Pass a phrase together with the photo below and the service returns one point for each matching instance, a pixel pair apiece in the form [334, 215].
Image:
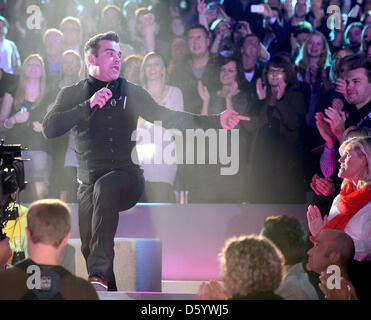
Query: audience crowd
[286, 67]
[302, 75]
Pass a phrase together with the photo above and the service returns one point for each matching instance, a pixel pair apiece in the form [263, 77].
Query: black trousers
[99, 205]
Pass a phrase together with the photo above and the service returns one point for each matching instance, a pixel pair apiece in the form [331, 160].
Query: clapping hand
[325, 130]
[261, 90]
[341, 87]
[279, 90]
[336, 120]
[346, 291]
[322, 186]
[202, 91]
[311, 73]
[211, 291]
[315, 221]
[337, 104]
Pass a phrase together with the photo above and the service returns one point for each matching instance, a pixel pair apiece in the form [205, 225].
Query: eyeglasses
[278, 72]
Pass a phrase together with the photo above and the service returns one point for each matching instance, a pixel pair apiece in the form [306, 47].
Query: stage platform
[192, 235]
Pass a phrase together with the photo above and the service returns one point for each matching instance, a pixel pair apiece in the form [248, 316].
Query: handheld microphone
[112, 86]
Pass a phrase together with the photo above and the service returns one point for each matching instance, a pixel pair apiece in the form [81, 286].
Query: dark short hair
[288, 235]
[357, 61]
[198, 26]
[241, 42]
[302, 27]
[92, 45]
[280, 14]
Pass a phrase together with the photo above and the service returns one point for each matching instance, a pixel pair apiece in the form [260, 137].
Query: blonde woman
[314, 58]
[159, 177]
[25, 126]
[350, 210]
[251, 268]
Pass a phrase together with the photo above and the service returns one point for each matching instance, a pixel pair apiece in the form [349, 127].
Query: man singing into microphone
[102, 112]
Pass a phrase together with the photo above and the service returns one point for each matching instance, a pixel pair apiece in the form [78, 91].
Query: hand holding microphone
[99, 99]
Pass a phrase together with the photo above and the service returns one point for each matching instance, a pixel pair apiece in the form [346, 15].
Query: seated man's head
[48, 222]
[250, 265]
[331, 247]
[103, 56]
[288, 236]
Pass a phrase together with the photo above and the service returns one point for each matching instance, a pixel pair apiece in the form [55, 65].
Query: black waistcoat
[104, 140]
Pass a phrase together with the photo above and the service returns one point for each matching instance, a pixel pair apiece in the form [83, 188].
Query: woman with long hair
[314, 57]
[25, 127]
[313, 64]
[276, 172]
[159, 177]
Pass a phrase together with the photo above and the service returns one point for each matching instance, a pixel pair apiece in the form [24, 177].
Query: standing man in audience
[72, 34]
[250, 52]
[112, 20]
[109, 176]
[200, 66]
[53, 49]
[47, 232]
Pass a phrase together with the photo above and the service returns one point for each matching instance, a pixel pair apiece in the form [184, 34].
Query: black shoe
[112, 286]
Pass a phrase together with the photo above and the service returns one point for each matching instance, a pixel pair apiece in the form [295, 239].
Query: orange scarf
[350, 203]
